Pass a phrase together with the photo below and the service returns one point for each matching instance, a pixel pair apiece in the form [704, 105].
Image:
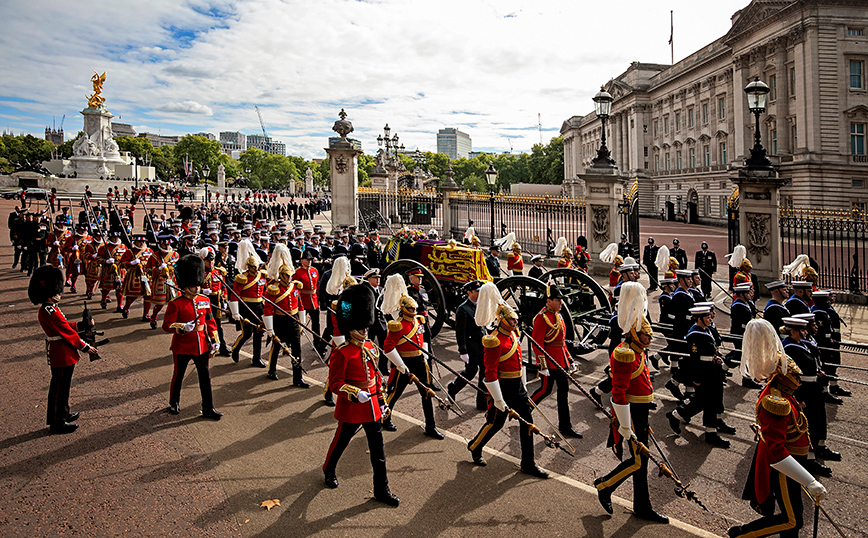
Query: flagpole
[672, 35]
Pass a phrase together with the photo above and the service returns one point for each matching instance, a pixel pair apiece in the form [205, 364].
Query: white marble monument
[95, 153]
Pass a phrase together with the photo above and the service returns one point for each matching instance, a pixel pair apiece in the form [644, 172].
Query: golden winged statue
[95, 100]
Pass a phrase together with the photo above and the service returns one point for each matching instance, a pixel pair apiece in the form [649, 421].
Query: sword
[536, 408]
[819, 508]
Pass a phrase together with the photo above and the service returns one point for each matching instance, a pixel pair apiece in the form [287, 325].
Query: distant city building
[454, 143]
[55, 136]
[355, 143]
[266, 144]
[475, 154]
[123, 129]
[233, 141]
[157, 140]
[209, 136]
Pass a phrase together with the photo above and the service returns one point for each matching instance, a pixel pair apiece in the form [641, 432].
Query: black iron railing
[389, 210]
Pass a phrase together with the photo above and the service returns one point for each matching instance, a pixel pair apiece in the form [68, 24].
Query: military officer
[249, 285]
[280, 320]
[537, 270]
[680, 304]
[309, 278]
[800, 302]
[706, 262]
[492, 261]
[470, 350]
[649, 257]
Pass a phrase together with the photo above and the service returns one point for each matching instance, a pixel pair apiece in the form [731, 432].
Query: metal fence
[537, 221]
[389, 210]
[835, 242]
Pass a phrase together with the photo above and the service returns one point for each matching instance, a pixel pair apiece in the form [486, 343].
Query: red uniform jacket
[783, 432]
[352, 368]
[549, 331]
[741, 278]
[502, 356]
[309, 279]
[61, 338]
[55, 252]
[250, 290]
[403, 333]
[514, 262]
[182, 310]
[614, 277]
[213, 280]
[631, 382]
[286, 297]
[565, 262]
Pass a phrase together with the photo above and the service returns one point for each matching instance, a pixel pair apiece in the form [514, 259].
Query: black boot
[389, 426]
[713, 439]
[297, 380]
[823, 452]
[674, 389]
[386, 496]
[648, 514]
[674, 423]
[604, 497]
[272, 375]
[833, 399]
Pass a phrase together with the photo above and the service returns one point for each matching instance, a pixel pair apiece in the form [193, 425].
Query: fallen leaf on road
[269, 504]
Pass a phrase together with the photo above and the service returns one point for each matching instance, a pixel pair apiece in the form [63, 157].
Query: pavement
[133, 468]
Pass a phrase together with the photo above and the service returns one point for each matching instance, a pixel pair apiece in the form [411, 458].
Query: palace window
[773, 135]
[855, 31]
[677, 121]
[857, 75]
[689, 118]
[706, 159]
[723, 153]
[704, 113]
[678, 159]
[666, 125]
[692, 157]
[857, 139]
[655, 128]
[792, 81]
[721, 107]
[794, 136]
[657, 163]
[667, 162]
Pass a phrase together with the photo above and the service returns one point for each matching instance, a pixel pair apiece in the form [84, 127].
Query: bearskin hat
[186, 213]
[355, 309]
[46, 282]
[190, 271]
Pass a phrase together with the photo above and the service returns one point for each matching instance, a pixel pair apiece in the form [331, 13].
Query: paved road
[133, 468]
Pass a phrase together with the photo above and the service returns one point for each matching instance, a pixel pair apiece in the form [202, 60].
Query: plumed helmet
[355, 309]
[393, 293]
[280, 262]
[190, 271]
[245, 256]
[618, 260]
[609, 253]
[632, 307]
[491, 306]
[506, 242]
[797, 266]
[206, 253]
[340, 271]
[46, 282]
[561, 247]
[662, 260]
[737, 256]
[763, 354]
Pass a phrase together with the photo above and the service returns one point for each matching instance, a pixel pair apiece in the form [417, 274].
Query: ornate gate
[629, 210]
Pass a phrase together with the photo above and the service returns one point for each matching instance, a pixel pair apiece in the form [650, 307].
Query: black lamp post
[757, 94]
[136, 171]
[491, 179]
[205, 171]
[603, 107]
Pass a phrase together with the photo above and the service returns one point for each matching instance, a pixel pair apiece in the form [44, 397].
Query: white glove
[93, 256]
[302, 317]
[189, 326]
[338, 340]
[544, 372]
[233, 308]
[135, 262]
[395, 358]
[793, 469]
[363, 396]
[426, 347]
[56, 243]
[74, 247]
[624, 423]
[215, 346]
[110, 261]
[465, 358]
[496, 394]
[269, 325]
[162, 266]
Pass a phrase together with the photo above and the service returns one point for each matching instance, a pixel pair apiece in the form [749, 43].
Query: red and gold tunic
[61, 339]
[549, 330]
[614, 277]
[783, 432]
[251, 290]
[286, 297]
[162, 270]
[403, 333]
[502, 356]
[741, 277]
[309, 279]
[89, 253]
[514, 262]
[72, 254]
[134, 284]
[112, 273]
[182, 310]
[565, 262]
[353, 367]
[55, 251]
[631, 382]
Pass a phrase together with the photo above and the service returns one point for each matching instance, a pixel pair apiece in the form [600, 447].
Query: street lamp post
[136, 171]
[491, 179]
[205, 171]
[757, 93]
[603, 107]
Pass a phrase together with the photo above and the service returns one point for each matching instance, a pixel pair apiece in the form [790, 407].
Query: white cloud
[486, 67]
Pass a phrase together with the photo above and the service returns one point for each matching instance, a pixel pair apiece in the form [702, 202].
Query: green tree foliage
[325, 173]
[24, 149]
[268, 170]
[200, 151]
[161, 158]
[66, 148]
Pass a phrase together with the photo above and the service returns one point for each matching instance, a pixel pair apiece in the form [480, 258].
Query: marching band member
[136, 261]
[162, 270]
[109, 257]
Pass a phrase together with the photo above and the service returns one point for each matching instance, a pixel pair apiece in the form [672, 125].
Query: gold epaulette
[335, 304]
[297, 284]
[490, 341]
[221, 270]
[623, 353]
[345, 344]
[394, 326]
[776, 405]
[273, 289]
[420, 319]
[241, 278]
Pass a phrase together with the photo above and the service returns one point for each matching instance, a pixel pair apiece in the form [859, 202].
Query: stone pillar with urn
[604, 189]
[344, 169]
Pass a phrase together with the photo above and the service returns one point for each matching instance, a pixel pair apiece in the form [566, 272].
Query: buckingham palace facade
[683, 129]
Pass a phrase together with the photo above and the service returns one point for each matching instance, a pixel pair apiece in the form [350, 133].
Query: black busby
[46, 282]
[308, 254]
[190, 271]
[186, 213]
[355, 309]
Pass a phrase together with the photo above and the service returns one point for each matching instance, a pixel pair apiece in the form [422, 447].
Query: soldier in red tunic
[188, 317]
[72, 251]
[93, 267]
[109, 257]
[62, 345]
[309, 278]
[632, 398]
[162, 275]
[355, 380]
[250, 286]
[55, 242]
[214, 289]
[504, 378]
[137, 263]
[282, 322]
[777, 471]
[549, 331]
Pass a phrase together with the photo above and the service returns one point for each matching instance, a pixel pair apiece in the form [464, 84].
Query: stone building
[683, 129]
[454, 143]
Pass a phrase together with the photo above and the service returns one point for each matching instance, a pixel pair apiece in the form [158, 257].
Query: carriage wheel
[588, 305]
[437, 310]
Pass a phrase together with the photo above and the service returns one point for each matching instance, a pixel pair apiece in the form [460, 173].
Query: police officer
[678, 253]
[470, 350]
[705, 262]
[625, 248]
[649, 257]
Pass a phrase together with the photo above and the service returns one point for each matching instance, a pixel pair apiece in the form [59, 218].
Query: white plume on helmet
[662, 261]
[279, 258]
[560, 246]
[204, 252]
[488, 304]
[632, 306]
[506, 242]
[395, 289]
[798, 264]
[245, 251]
[340, 271]
[468, 235]
[737, 256]
[762, 351]
[609, 253]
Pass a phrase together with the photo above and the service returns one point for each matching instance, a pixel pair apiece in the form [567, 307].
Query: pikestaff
[148, 215]
[112, 208]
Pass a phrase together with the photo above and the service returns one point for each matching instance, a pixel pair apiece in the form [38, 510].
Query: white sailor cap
[808, 317]
[698, 311]
[742, 288]
[795, 323]
[799, 284]
[683, 273]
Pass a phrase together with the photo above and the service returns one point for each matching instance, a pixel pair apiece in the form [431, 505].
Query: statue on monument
[85, 146]
[96, 100]
[109, 144]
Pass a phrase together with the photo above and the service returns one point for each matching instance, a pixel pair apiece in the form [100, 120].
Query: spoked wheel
[527, 296]
[437, 309]
[588, 305]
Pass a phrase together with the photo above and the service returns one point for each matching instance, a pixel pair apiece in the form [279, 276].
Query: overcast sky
[488, 68]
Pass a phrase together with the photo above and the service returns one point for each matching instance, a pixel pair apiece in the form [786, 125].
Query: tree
[268, 170]
[25, 149]
[436, 163]
[198, 150]
[324, 173]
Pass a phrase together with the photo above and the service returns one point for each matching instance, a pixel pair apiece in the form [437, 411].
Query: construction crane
[264, 134]
[61, 121]
[539, 119]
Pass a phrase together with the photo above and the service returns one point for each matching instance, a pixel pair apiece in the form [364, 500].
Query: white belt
[706, 358]
[53, 338]
[809, 379]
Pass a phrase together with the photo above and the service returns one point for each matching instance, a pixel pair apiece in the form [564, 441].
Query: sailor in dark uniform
[775, 311]
[800, 302]
[829, 337]
[536, 271]
[742, 311]
[680, 304]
